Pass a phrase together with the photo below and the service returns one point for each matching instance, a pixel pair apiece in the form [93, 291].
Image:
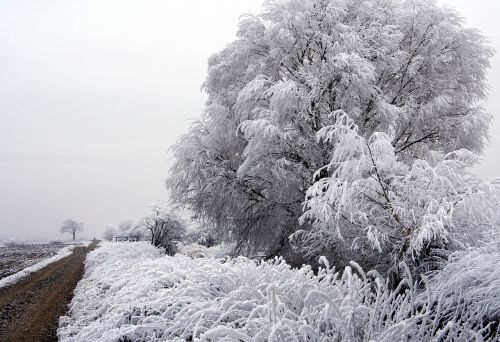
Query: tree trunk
[74, 232]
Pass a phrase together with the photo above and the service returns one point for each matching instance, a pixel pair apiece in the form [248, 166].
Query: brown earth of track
[30, 309]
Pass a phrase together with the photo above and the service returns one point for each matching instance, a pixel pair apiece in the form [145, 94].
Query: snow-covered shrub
[202, 234]
[221, 250]
[130, 292]
[192, 250]
[161, 227]
[195, 250]
[468, 288]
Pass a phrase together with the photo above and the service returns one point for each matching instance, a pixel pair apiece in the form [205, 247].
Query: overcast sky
[93, 92]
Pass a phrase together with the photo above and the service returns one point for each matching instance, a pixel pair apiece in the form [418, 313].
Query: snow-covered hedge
[195, 250]
[133, 292]
[468, 287]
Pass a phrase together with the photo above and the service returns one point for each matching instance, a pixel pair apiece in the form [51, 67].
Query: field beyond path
[30, 309]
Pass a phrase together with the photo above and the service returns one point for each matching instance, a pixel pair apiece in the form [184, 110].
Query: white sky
[93, 92]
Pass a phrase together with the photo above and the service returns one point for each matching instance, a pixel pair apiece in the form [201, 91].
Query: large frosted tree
[402, 77]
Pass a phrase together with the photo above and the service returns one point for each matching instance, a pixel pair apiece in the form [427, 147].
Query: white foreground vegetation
[133, 292]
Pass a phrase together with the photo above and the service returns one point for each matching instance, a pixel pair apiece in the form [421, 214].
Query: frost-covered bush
[192, 250]
[161, 227]
[185, 299]
[202, 234]
[195, 250]
[468, 288]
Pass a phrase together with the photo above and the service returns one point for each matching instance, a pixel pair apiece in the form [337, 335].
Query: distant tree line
[161, 227]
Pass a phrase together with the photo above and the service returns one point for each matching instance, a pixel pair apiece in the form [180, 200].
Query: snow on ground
[61, 253]
[132, 292]
[14, 257]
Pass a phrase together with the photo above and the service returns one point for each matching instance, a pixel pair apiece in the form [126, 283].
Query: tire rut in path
[30, 309]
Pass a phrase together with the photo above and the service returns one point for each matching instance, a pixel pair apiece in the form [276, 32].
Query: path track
[30, 309]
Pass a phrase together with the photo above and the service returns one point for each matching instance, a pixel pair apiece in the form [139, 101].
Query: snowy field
[20, 260]
[15, 257]
[132, 292]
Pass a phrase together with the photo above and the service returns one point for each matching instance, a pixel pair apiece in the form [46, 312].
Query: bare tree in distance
[71, 226]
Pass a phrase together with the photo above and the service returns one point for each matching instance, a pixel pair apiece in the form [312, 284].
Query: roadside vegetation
[337, 146]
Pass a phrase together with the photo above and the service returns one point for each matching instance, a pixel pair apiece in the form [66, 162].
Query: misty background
[92, 94]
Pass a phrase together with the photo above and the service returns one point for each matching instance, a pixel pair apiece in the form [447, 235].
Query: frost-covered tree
[71, 226]
[373, 200]
[407, 74]
[164, 228]
[125, 226]
[137, 230]
[109, 232]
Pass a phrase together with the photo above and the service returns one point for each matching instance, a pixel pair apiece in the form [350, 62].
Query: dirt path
[30, 309]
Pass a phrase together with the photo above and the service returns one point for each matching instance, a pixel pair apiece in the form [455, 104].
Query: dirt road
[30, 309]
